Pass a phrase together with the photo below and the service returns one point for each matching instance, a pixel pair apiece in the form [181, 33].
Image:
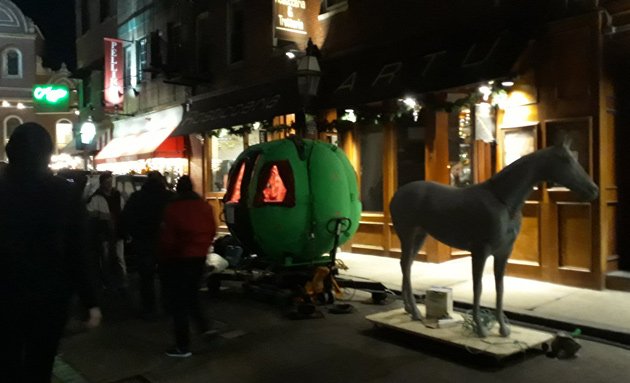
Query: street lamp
[308, 76]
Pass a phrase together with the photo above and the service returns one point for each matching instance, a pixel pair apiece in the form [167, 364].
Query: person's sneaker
[176, 352]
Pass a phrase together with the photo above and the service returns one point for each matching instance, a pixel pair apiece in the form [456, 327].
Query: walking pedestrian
[104, 207]
[141, 218]
[188, 230]
[43, 259]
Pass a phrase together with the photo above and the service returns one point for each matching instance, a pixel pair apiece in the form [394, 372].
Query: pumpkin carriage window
[275, 185]
[235, 188]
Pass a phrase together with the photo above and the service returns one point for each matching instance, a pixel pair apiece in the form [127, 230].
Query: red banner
[113, 92]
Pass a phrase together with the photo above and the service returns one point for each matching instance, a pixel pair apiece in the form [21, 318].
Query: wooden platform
[495, 345]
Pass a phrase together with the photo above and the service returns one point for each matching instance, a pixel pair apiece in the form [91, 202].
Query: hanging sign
[289, 19]
[51, 98]
[113, 92]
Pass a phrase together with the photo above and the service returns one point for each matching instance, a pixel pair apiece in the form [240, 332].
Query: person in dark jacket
[188, 229]
[141, 218]
[43, 258]
[104, 208]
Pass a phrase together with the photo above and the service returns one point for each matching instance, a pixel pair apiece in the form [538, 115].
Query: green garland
[402, 115]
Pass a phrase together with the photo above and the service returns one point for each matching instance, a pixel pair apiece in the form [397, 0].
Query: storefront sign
[371, 76]
[246, 105]
[289, 19]
[51, 98]
[113, 92]
[233, 111]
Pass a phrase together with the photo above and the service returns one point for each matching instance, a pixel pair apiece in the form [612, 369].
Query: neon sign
[51, 98]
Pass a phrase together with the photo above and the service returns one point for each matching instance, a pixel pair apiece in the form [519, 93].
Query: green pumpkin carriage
[287, 200]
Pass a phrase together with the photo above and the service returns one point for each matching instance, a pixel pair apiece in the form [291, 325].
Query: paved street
[258, 343]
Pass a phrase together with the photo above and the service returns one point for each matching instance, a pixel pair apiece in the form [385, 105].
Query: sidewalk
[603, 314]
[257, 342]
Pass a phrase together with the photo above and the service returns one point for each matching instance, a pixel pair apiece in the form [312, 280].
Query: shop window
[225, 149]
[371, 148]
[578, 133]
[10, 123]
[460, 147]
[410, 155]
[63, 133]
[236, 32]
[12, 63]
[275, 185]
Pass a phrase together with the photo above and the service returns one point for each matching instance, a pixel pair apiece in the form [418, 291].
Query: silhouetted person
[43, 259]
[188, 230]
[141, 218]
[104, 207]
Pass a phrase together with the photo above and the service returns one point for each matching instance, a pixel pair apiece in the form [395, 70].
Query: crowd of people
[55, 245]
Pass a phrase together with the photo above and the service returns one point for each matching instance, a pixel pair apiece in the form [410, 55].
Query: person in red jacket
[188, 230]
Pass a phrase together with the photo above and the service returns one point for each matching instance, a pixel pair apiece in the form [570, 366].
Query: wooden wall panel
[611, 237]
[527, 245]
[572, 61]
[609, 171]
[574, 236]
[216, 202]
[369, 235]
[394, 244]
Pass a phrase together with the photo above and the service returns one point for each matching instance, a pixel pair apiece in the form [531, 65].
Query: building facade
[94, 21]
[21, 48]
[449, 92]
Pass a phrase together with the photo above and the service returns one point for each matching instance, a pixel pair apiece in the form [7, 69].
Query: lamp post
[87, 134]
[308, 76]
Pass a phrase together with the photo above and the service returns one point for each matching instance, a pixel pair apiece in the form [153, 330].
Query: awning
[396, 70]
[154, 144]
[145, 136]
[236, 107]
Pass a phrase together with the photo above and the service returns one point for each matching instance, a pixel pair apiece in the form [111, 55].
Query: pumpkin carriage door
[235, 199]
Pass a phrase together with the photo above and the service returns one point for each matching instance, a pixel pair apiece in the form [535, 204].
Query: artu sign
[113, 94]
[51, 98]
[289, 18]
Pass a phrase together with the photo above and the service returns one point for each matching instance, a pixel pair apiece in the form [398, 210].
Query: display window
[460, 148]
[371, 140]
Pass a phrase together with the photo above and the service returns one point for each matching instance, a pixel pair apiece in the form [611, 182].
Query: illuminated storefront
[144, 143]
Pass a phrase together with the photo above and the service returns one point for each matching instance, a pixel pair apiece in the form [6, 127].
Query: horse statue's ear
[563, 139]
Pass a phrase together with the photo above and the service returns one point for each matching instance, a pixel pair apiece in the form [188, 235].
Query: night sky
[55, 19]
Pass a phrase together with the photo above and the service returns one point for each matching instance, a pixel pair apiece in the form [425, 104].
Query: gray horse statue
[484, 219]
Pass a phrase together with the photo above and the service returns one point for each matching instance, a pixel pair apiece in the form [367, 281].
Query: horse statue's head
[565, 170]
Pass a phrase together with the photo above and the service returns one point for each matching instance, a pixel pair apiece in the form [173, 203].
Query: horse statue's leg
[410, 242]
[478, 262]
[500, 261]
